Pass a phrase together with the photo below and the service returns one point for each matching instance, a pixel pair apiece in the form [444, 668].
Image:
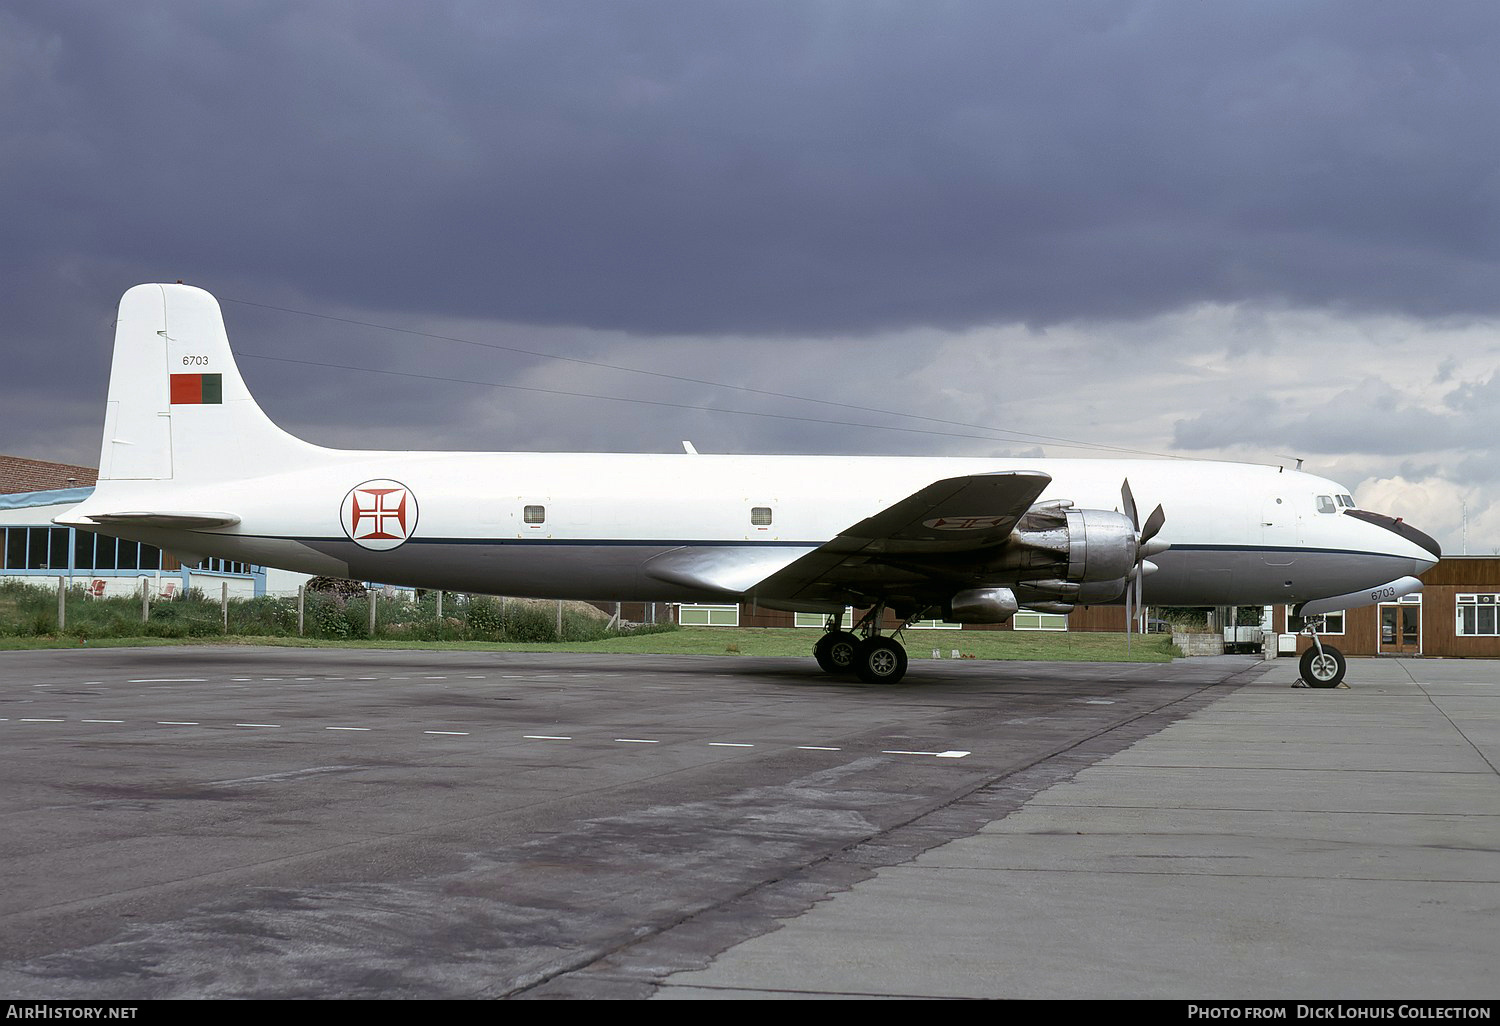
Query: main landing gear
[873, 657]
[1321, 666]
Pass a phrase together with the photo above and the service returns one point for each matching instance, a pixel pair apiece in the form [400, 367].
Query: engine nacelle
[1062, 546]
[1057, 557]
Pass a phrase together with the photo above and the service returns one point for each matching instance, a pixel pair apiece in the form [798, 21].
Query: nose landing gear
[1321, 666]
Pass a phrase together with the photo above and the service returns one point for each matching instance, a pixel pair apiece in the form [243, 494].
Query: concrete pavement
[1278, 843]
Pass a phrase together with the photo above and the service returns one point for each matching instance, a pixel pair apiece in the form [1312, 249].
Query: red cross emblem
[379, 515]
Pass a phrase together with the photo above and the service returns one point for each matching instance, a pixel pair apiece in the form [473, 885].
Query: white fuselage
[1239, 533]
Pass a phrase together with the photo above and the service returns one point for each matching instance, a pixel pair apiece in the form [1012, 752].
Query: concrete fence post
[224, 603]
[301, 608]
[372, 594]
[62, 604]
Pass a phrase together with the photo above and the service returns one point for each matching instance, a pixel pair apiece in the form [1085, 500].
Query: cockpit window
[1326, 504]
[1347, 501]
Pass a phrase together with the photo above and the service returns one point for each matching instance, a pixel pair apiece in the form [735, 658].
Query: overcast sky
[1241, 230]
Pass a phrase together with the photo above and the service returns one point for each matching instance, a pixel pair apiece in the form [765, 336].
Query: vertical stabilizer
[137, 418]
[178, 408]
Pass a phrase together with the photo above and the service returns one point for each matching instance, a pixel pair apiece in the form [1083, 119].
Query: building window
[1477, 616]
[214, 565]
[933, 625]
[534, 515]
[15, 548]
[1333, 623]
[821, 619]
[691, 614]
[62, 548]
[1026, 620]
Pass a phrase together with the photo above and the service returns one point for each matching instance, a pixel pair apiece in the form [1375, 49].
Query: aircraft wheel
[880, 661]
[835, 650]
[1322, 670]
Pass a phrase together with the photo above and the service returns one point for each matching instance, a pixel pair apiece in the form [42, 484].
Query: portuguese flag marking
[197, 389]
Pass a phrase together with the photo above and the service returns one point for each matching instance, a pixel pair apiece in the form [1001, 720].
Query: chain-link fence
[30, 610]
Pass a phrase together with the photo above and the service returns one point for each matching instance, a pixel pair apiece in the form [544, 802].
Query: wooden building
[1453, 616]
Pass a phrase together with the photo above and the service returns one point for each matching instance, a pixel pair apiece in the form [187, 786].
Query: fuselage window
[1326, 504]
[534, 515]
[760, 516]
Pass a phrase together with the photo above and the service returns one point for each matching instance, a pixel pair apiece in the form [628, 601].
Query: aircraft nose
[1401, 528]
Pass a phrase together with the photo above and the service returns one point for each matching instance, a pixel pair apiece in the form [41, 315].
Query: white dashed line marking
[448, 733]
[636, 741]
[103, 721]
[168, 680]
[257, 724]
[347, 728]
[729, 744]
[40, 719]
[546, 737]
[817, 748]
[935, 755]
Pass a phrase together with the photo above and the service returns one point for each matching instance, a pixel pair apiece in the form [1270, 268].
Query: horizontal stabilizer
[173, 519]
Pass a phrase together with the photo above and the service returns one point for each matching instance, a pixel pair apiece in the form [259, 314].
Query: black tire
[880, 661]
[835, 652]
[1322, 671]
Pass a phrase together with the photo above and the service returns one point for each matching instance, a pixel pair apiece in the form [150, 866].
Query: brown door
[1400, 629]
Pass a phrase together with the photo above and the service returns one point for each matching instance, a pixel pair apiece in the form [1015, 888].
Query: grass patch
[725, 642]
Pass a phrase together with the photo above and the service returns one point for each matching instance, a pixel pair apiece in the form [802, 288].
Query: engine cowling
[1077, 545]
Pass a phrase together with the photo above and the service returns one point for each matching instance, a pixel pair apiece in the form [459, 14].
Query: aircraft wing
[947, 518]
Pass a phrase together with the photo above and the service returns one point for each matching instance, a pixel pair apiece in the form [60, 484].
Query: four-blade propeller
[1145, 545]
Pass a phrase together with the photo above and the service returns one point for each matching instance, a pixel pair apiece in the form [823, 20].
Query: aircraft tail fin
[178, 408]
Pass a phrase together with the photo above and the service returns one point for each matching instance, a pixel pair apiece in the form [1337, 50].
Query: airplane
[190, 464]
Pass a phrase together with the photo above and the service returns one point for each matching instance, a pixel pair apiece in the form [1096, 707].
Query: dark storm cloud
[760, 167]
